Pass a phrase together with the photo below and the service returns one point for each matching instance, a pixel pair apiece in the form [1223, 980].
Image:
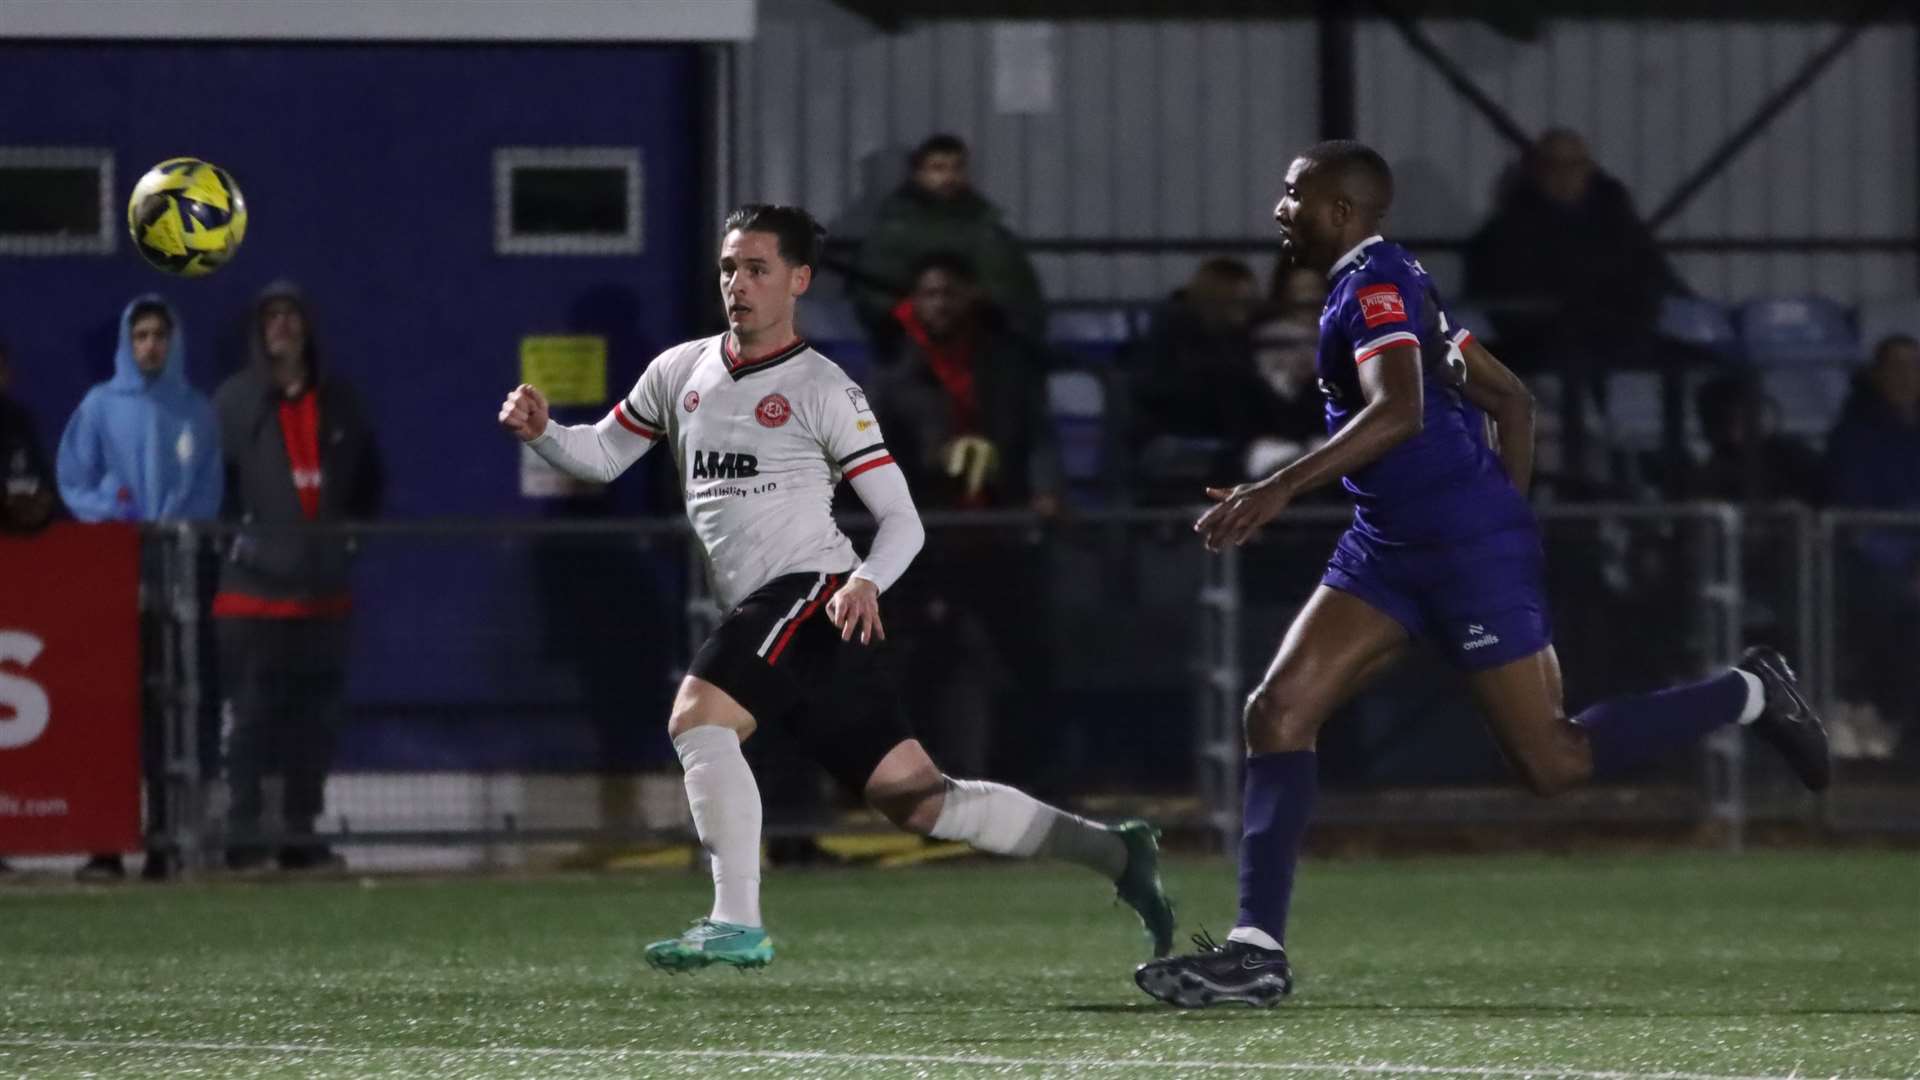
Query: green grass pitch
[1622, 967]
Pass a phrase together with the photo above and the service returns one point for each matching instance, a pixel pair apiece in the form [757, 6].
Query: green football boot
[1139, 883]
[707, 942]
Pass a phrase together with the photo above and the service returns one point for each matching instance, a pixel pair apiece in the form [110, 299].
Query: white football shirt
[759, 447]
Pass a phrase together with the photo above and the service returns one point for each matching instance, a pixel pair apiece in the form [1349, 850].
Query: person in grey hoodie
[299, 449]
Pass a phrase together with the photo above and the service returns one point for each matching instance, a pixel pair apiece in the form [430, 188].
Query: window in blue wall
[56, 200]
[582, 200]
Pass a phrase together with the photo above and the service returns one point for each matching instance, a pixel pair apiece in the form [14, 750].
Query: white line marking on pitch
[1328, 1067]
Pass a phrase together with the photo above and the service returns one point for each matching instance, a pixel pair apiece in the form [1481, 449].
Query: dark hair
[1359, 167]
[951, 262]
[1225, 267]
[150, 307]
[1891, 342]
[942, 143]
[800, 237]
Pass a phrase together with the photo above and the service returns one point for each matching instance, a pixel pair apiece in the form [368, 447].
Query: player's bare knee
[699, 703]
[1278, 720]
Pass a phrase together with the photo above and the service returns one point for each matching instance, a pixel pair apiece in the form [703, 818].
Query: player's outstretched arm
[595, 452]
[1394, 413]
[855, 609]
[1500, 394]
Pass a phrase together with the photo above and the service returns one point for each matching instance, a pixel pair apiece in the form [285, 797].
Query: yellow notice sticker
[570, 369]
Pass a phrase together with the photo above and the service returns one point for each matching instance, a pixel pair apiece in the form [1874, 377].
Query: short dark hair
[951, 262]
[150, 307]
[942, 143]
[1225, 267]
[1891, 342]
[1358, 167]
[799, 236]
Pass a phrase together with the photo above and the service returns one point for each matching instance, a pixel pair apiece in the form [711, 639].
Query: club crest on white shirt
[773, 411]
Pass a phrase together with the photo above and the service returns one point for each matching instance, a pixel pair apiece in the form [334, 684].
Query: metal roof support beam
[1333, 22]
[1456, 77]
[1773, 106]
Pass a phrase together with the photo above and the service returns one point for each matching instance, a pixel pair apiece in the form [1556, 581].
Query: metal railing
[509, 680]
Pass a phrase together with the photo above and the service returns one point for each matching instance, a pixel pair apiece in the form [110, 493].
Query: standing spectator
[966, 401]
[1873, 462]
[299, 450]
[937, 210]
[1573, 278]
[143, 446]
[28, 500]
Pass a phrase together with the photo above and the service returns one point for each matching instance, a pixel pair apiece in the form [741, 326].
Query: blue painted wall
[368, 174]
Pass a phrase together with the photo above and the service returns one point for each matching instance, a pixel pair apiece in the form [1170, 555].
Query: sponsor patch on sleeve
[859, 399]
[1381, 304]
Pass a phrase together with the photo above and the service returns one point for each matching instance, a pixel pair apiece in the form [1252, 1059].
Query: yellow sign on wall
[570, 369]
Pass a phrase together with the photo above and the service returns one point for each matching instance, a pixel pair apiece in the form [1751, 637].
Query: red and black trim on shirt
[869, 457]
[631, 419]
[740, 368]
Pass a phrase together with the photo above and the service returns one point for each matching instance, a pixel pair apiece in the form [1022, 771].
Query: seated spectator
[28, 500]
[143, 446]
[1196, 384]
[937, 210]
[1749, 461]
[1873, 462]
[1571, 276]
[1284, 346]
[965, 399]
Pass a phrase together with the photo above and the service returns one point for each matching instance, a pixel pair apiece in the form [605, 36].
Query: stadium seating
[1077, 404]
[1797, 330]
[1095, 334]
[1806, 349]
[1702, 323]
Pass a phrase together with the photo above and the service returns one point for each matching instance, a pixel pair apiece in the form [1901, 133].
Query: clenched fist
[524, 413]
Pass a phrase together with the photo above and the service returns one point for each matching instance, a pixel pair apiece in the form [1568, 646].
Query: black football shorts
[778, 656]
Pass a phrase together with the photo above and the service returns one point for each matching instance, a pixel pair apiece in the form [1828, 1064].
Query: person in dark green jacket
[937, 210]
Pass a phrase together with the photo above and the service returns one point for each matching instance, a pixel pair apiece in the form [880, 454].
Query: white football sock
[1005, 821]
[1756, 696]
[726, 813]
[1253, 935]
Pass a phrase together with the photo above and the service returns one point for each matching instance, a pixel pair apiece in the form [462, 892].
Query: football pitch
[1617, 966]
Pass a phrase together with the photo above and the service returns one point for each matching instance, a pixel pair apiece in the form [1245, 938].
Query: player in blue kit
[1444, 548]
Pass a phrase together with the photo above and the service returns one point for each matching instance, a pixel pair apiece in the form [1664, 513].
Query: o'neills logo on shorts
[1480, 638]
[772, 411]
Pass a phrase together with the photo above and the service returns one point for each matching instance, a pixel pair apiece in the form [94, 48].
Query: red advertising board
[70, 690]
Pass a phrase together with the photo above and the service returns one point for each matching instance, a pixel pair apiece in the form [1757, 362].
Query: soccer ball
[187, 217]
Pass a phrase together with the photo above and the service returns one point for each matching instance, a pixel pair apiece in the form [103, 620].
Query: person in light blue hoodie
[143, 446]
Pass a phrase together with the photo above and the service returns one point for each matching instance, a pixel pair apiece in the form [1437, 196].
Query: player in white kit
[763, 429]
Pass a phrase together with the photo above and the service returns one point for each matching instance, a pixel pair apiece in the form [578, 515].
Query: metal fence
[507, 683]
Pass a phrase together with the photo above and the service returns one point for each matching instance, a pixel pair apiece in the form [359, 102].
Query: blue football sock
[1629, 731]
[1280, 790]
